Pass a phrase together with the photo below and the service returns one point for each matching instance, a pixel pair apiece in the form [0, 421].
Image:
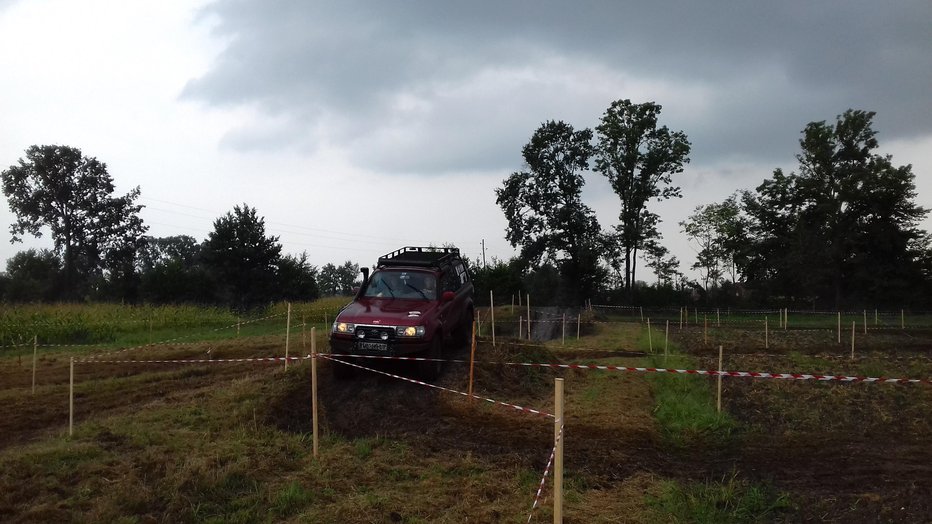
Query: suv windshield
[402, 284]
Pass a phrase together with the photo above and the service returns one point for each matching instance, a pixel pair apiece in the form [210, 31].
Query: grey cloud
[345, 66]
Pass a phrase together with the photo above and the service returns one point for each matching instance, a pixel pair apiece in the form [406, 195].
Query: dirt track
[858, 469]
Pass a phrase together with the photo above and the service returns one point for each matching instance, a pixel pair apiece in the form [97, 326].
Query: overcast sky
[356, 128]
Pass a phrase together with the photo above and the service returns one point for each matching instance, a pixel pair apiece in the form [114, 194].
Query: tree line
[840, 231]
[102, 253]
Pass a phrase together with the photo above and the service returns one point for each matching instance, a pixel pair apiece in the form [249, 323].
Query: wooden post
[876, 318]
[697, 315]
[681, 319]
[314, 388]
[563, 342]
[71, 400]
[287, 334]
[666, 340]
[719, 402]
[492, 314]
[705, 329]
[650, 339]
[472, 361]
[479, 323]
[520, 328]
[718, 318]
[529, 316]
[641, 308]
[578, 323]
[238, 322]
[839, 327]
[150, 330]
[304, 333]
[766, 335]
[902, 319]
[865, 321]
[35, 349]
[558, 438]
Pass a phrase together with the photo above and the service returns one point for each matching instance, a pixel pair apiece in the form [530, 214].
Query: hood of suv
[387, 311]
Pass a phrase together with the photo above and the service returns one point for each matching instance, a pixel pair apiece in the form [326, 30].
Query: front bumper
[392, 348]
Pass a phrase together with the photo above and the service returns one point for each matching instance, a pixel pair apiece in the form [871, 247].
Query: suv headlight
[410, 331]
[346, 328]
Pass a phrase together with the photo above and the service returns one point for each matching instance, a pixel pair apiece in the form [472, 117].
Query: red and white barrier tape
[406, 379]
[601, 367]
[543, 479]
[193, 361]
[714, 373]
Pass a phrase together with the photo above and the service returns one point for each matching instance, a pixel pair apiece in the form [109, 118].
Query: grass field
[230, 441]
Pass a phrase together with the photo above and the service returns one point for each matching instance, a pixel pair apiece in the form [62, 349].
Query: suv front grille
[374, 334]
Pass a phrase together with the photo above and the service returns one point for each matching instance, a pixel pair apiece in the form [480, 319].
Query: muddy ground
[843, 452]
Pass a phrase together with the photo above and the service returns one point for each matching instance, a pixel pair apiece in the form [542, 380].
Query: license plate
[372, 346]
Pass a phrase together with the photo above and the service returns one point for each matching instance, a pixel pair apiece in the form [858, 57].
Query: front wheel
[430, 369]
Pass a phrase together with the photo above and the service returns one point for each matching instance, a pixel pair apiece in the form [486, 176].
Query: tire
[463, 337]
[342, 371]
[430, 370]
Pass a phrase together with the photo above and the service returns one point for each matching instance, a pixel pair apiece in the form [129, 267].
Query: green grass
[729, 501]
[685, 405]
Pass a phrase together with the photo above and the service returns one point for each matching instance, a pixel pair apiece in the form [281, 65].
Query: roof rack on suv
[419, 256]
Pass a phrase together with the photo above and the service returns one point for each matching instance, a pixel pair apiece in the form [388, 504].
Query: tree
[31, 276]
[59, 188]
[338, 280]
[297, 279]
[544, 209]
[720, 230]
[241, 259]
[664, 265]
[844, 228]
[639, 160]
[171, 271]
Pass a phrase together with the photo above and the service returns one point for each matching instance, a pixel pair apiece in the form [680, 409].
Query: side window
[461, 273]
[451, 281]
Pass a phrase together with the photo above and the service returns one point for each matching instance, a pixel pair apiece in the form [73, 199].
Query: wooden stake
[666, 341]
[314, 419]
[766, 335]
[876, 317]
[839, 327]
[718, 318]
[287, 334]
[563, 342]
[681, 319]
[492, 315]
[650, 340]
[520, 328]
[35, 349]
[472, 361]
[902, 319]
[529, 316]
[719, 402]
[578, 323]
[865, 321]
[238, 322]
[71, 400]
[558, 438]
[641, 308]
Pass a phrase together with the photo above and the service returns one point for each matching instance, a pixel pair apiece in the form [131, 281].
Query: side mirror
[447, 296]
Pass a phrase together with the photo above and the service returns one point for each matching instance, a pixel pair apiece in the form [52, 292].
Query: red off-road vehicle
[418, 302]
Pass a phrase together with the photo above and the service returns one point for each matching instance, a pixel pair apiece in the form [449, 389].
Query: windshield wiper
[418, 290]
